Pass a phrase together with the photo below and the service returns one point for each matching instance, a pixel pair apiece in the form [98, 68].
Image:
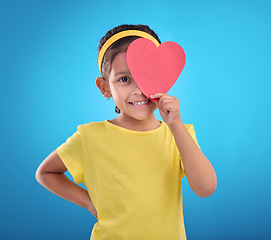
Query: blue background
[48, 63]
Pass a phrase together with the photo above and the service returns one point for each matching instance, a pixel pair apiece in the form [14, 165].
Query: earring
[108, 98]
[117, 110]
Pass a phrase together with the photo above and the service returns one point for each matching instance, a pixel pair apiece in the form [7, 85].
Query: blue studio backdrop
[48, 67]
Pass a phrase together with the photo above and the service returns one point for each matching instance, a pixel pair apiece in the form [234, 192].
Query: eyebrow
[121, 73]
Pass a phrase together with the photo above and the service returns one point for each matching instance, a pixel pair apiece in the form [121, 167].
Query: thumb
[155, 98]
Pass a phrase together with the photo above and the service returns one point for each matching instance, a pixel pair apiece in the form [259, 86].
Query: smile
[139, 103]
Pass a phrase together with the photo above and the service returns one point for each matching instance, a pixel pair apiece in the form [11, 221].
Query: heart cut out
[155, 69]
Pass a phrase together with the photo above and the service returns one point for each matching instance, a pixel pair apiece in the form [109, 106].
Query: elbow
[207, 192]
[39, 175]
[207, 189]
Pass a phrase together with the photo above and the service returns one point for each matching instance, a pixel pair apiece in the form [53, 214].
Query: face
[126, 94]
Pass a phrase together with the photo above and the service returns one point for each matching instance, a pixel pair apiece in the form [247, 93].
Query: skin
[122, 88]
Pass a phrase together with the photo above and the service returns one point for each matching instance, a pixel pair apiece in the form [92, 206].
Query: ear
[104, 87]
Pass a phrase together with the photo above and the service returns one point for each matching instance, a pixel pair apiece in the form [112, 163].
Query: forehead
[119, 64]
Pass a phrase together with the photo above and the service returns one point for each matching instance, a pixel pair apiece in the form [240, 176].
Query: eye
[124, 79]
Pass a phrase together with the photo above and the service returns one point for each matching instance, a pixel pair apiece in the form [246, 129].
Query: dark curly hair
[121, 45]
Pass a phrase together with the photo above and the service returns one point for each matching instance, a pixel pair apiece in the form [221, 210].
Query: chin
[140, 114]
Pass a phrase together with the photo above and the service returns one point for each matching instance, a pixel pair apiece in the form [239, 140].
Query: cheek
[120, 91]
[117, 94]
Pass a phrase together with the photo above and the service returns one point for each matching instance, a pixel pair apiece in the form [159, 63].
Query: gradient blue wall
[48, 63]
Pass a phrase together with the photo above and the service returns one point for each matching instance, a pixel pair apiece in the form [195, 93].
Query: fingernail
[151, 96]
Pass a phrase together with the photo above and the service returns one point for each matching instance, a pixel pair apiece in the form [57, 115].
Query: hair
[121, 45]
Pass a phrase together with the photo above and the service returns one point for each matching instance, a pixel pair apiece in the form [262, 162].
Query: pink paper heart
[155, 69]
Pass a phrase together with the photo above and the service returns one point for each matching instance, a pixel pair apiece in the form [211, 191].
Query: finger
[157, 95]
[163, 109]
[165, 99]
[167, 107]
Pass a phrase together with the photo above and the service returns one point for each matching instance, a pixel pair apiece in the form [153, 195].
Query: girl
[132, 166]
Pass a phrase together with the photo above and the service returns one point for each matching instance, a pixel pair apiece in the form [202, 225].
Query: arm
[199, 171]
[50, 175]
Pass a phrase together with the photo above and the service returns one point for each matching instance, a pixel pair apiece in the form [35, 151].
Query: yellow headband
[120, 35]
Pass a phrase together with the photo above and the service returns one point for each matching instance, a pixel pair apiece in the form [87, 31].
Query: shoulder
[189, 127]
[91, 125]
[91, 128]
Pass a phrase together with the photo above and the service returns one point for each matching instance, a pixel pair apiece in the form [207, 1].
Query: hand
[168, 107]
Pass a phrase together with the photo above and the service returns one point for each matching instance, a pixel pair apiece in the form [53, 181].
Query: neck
[130, 123]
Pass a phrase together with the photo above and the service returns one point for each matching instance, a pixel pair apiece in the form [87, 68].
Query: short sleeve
[71, 154]
[190, 129]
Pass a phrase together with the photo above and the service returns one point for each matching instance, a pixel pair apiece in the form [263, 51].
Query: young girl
[132, 166]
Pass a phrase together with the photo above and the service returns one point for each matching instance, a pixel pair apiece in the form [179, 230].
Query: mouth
[139, 103]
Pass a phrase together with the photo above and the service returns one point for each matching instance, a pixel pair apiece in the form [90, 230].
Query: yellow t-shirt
[133, 179]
